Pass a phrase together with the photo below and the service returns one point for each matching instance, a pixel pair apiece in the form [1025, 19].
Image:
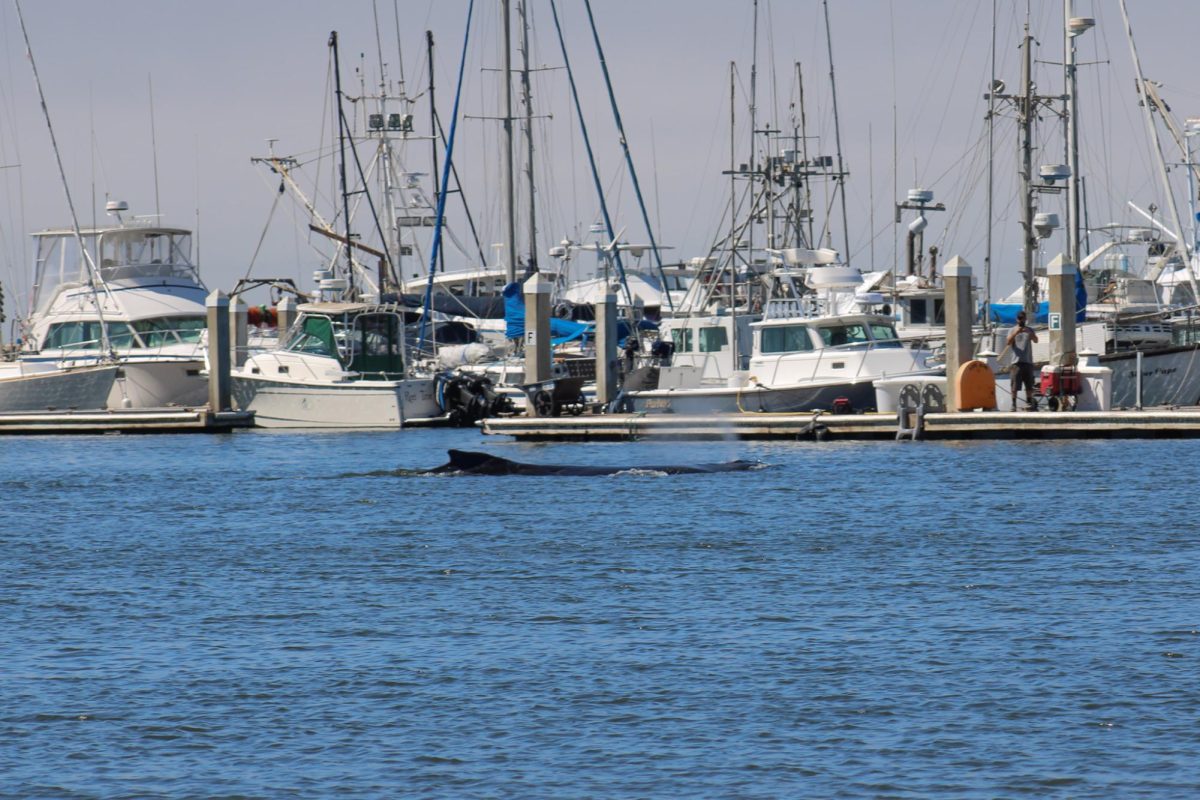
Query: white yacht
[143, 307]
[341, 365]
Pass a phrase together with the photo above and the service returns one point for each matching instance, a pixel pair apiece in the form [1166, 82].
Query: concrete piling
[217, 305]
[239, 335]
[285, 315]
[608, 364]
[960, 316]
[1060, 275]
[537, 328]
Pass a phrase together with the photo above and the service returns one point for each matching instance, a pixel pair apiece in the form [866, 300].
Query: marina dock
[140, 420]
[1148, 424]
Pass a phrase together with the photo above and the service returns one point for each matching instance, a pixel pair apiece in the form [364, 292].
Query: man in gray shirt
[1021, 339]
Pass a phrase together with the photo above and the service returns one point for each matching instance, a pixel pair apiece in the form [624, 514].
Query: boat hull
[753, 399]
[350, 404]
[1170, 376]
[83, 388]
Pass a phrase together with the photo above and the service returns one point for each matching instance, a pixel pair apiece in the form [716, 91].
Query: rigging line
[616, 251]
[462, 195]
[93, 273]
[263, 237]
[637, 189]
[446, 166]
[153, 147]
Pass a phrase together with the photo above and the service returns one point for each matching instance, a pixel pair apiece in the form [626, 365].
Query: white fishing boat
[342, 365]
[798, 363]
[144, 308]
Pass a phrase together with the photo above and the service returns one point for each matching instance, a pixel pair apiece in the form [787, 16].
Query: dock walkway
[133, 420]
[1147, 424]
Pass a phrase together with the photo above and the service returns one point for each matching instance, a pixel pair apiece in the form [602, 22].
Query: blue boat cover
[1006, 313]
[561, 330]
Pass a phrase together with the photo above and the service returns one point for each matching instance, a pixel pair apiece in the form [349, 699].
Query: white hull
[157, 384]
[349, 404]
[84, 388]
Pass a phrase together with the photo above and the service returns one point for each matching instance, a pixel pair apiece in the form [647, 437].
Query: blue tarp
[1006, 313]
[561, 330]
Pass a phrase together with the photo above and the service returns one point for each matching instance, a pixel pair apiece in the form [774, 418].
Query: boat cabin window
[713, 340]
[919, 311]
[884, 335]
[315, 336]
[843, 335]
[682, 337]
[170, 330]
[376, 346]
[85, 335]
[785, 339]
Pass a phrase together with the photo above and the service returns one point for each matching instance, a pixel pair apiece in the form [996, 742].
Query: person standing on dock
[1021, 339]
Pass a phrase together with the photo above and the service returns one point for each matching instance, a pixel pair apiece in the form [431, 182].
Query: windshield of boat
[151, 253]
[847, 335]
[368, 343]
[785, 339]
[140, 334]
[884, 335]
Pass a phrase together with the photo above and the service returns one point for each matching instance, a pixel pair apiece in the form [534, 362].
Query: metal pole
[837, 136]
[337, 81]
[527, 93]
[1025, 114]
[510, 243]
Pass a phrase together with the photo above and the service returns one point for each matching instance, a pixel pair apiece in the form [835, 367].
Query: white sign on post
[531, 338]
[1056, 322]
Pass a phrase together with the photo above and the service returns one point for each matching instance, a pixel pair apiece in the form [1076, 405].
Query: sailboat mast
[737, 361]
[753, 163]
[1072, 136]
[527, 99]
[1025, 113]
[337, 82]
[433, 136]
[510, 229]
[837, 135]
[991, 178]
[804, 158]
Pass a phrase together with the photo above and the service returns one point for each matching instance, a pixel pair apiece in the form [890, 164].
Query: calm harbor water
[236, 616]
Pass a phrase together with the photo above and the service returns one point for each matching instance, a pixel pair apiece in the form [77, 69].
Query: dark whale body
[463, 462]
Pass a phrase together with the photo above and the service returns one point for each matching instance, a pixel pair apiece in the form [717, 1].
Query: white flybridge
[144, 309]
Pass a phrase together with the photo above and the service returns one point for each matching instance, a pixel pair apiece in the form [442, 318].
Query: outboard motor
[467, 399]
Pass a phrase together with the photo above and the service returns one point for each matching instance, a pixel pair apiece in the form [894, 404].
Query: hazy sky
[229, 75]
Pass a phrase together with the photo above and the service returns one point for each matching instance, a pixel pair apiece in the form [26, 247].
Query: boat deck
[139, 420]
[1147, 424]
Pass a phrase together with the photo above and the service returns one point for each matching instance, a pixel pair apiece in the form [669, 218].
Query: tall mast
[837, 135]
[527, 98]
[1025, 112]
[752, 164]
[804, 159]
[433, 134]
[510, 229]
[737, 361]
[337, 82]
[991, 178]
[1070, 31]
